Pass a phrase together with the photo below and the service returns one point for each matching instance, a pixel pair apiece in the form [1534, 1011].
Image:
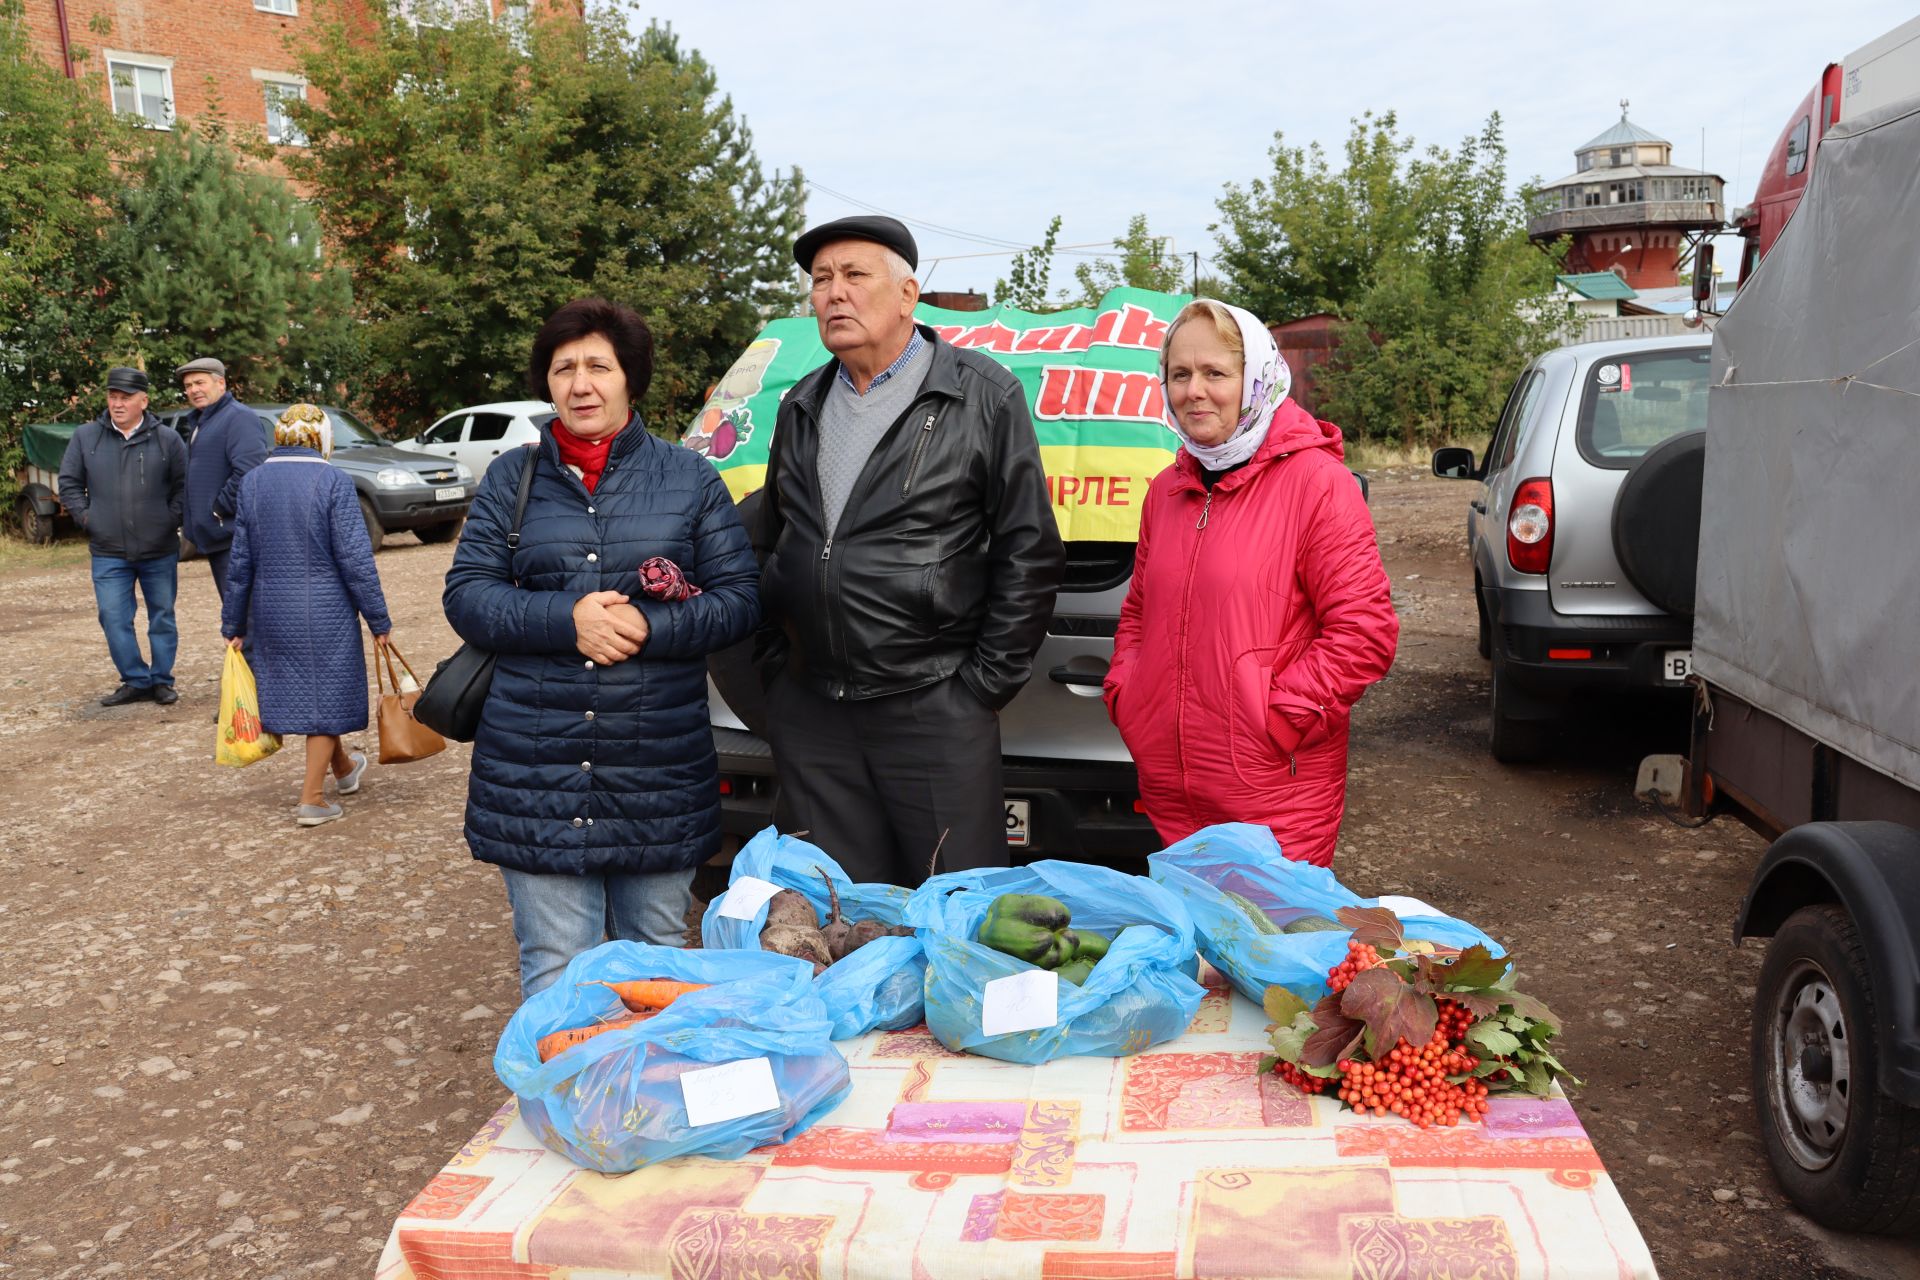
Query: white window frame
[279, 8]
[117, 61]
[276, 83]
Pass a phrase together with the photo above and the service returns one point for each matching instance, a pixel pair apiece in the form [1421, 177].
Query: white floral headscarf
[1265, 381]
[304, 425]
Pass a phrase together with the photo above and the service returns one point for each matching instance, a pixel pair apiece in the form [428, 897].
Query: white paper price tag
[1404, 907]
[746, 897]
[1022, 1002]
[729, 1091]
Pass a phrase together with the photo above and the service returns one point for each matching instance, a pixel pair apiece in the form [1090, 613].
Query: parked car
[476, 436]
[399, 489]
[1584, 533]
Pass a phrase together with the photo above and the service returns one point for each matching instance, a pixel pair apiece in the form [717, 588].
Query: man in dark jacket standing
[122, 480]
[225, 441]
[911, 559]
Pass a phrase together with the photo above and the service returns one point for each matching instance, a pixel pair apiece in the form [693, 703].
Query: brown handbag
[402, 738]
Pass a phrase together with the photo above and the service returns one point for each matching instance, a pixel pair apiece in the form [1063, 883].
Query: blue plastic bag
[614, 1103]
[1246, 859]
[878, 987]
[1141, 993]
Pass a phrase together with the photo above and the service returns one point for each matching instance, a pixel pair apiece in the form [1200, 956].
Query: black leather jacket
[945, 560]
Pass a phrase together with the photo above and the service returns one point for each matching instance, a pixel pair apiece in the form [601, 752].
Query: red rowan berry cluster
[1359, 959]
[1299, 1079]
[1413, 1083]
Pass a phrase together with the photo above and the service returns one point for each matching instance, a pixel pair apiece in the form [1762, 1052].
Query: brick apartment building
[171, 61]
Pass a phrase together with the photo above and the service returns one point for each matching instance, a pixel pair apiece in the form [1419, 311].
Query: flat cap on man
[205, 364]
[122, 378]
[886, 231]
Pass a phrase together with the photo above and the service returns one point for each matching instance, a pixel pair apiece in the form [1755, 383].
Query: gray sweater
[852, 424]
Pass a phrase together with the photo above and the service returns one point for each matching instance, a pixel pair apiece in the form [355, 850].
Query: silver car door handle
[1086, 684]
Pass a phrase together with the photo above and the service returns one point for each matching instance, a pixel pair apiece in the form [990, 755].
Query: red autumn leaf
[1372, 926]
[1391, 1009]
[1334, 1037]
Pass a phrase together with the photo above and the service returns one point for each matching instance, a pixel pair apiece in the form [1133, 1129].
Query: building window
[441, 13]
[285, 8]
[280, 126]
[144, 91]
[1593, 196]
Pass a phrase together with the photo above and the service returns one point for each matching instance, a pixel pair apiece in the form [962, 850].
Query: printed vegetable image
[1424, 1031]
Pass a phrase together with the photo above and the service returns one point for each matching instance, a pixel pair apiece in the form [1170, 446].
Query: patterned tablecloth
[1178, 1162]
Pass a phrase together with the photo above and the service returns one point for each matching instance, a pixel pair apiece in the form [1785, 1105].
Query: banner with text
[1091, 376]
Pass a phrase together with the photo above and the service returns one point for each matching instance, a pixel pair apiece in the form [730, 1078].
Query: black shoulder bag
[457, 690]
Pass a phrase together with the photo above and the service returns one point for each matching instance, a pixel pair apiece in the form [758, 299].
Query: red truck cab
[1785, 175]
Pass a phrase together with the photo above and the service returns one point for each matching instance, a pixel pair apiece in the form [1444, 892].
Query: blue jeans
[557, 917]
[113, 580]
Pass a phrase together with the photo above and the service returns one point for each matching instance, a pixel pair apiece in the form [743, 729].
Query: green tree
[1025, 286]
[58, 142]
[207, 258]
[1144, 264]
[476, 177]
[1423, 256]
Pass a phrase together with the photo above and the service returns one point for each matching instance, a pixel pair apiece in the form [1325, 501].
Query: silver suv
[1585, 531]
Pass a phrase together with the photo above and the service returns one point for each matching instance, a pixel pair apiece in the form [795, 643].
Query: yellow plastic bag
[238, 739]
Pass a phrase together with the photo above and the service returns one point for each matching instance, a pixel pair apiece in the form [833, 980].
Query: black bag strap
[520, 502]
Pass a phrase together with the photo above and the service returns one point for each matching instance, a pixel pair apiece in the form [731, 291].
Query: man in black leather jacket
[911, 558]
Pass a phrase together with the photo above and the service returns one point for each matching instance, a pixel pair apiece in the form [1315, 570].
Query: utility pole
[1196, 273]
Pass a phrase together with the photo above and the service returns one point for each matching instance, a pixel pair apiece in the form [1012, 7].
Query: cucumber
[1261, 921]
[1314, 924]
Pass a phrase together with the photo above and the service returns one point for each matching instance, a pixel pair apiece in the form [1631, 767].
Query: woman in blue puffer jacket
[594, 787]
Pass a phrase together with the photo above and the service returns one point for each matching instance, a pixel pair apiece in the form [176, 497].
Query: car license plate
[1019, 813]
[1677, 665]
[450, 495]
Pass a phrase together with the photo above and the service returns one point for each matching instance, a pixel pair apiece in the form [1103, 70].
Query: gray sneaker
[313, 815]
[351, 783]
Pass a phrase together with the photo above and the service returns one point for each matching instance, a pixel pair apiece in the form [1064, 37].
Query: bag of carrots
[597, 1059]
[876, 968]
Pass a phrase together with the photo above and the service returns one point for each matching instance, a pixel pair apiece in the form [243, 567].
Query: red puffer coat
[1258, 615]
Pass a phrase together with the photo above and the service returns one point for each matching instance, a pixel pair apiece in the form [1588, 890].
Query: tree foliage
[1423, 255]
[478, 176]
[1025, 285]
[1144, 264]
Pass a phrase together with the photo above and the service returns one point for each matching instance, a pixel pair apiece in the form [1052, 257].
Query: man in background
[225, 441]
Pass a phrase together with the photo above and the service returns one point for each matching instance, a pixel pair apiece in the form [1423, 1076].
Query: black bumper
[1080, 811]
[399, 509]
[1626, 652]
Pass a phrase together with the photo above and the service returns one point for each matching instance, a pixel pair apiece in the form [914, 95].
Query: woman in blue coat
[594, 787]
[299, 580]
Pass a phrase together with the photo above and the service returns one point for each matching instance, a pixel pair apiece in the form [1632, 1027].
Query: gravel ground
[229, 1047]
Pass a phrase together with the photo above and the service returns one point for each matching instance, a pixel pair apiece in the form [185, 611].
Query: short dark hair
[619, 324]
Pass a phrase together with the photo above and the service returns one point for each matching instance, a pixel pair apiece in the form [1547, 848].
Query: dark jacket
[227, 440]
[300, 580]
[946, 558]
[579, 768]
[125, 491]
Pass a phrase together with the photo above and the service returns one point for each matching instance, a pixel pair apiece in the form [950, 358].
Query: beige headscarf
[305, 426]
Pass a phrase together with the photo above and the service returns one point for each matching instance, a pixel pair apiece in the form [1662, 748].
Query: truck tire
[444, 532]
[1844, 1152]
[375, 530]
[1514, 741]
[1656, 521]
[34, 527]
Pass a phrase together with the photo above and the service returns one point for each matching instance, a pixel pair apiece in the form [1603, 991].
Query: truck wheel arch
[1872, 870]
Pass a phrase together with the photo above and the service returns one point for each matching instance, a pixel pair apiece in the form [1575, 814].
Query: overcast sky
[987, 118]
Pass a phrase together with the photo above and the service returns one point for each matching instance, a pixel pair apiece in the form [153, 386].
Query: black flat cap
[121, 378]
[887, 231]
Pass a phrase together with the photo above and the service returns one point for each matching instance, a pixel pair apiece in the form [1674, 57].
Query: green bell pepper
[1030, 927]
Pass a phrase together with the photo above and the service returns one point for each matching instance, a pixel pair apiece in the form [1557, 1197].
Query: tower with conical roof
[1628, 208]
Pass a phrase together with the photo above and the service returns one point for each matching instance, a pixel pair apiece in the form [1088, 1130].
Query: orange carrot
[552, 1046]
[649, 993]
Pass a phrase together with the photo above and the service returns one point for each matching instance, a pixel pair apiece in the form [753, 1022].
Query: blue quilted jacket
[578, 768]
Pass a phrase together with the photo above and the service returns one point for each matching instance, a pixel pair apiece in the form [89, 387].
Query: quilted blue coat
[300, 579]
[579, 768]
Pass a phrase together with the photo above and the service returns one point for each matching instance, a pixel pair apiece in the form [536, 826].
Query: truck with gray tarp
[1806, 661]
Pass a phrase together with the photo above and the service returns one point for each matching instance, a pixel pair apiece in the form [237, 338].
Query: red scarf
[589, 456]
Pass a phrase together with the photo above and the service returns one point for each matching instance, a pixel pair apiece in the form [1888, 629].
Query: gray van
[1585, 529]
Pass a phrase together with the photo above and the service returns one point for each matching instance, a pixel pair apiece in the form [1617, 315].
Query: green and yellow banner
[1091, 376]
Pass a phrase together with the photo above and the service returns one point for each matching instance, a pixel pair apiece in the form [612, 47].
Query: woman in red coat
[1259, 610]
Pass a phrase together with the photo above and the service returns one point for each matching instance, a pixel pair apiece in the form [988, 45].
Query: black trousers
[875, 783]
[217, 562]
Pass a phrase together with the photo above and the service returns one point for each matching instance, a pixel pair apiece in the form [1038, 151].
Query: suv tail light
[1530, 526]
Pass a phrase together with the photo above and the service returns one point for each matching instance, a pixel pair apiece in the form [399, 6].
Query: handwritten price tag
[1022, 1002]
[746, 897]
[729, 1091]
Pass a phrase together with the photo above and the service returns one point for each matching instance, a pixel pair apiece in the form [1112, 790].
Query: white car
[480, 433]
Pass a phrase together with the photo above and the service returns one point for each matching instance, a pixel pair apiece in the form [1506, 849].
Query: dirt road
[229, 1047]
